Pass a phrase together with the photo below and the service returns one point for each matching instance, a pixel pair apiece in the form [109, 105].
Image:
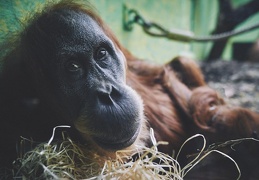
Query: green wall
[198, 16]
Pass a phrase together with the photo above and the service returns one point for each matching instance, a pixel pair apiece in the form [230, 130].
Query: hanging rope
[131, 16]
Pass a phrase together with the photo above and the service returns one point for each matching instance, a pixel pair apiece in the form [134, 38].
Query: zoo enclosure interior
[198, 16]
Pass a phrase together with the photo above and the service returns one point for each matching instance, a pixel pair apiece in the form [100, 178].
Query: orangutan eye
[73, 66]
[101, 54]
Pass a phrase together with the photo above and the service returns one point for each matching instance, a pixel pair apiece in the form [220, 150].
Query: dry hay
[70, 160]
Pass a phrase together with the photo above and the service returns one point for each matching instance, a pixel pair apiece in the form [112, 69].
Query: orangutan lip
[113, 145]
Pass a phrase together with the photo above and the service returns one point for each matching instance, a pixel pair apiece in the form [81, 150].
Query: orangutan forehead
[72, 23]
[67, 28]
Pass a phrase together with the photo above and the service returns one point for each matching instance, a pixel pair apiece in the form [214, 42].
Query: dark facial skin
[86, 74]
